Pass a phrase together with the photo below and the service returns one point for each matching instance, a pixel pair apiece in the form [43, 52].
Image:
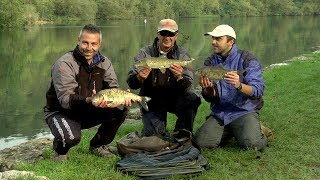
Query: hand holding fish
[111, 98]
[144, 73]
[102, 103]
[177, 70]
[207, 85]
[128, 101]
[233, 78]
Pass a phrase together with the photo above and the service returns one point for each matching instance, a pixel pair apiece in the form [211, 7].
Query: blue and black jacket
[230, 104]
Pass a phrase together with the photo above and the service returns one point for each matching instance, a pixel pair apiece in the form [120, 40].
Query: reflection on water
[28, 55]
[20, 138]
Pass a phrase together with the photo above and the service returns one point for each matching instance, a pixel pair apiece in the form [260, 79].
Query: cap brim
[215, 34]
[210, 34]
[166, 29]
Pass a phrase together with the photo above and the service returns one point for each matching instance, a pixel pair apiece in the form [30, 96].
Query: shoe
[103, 151]
[267, 132]
[58, 157]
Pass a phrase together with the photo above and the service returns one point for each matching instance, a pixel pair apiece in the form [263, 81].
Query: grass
[291, 110]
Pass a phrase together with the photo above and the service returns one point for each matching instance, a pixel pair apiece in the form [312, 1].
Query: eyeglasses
[167, 33]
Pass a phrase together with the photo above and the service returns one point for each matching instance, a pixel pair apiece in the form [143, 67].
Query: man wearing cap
[169, 91]
[235, 100]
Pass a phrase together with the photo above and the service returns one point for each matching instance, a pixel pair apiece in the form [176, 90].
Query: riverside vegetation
[20, 13]
[291, 111]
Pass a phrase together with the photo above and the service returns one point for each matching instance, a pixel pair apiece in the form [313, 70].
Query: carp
[161, 63]
[215, 73]
[116, 97]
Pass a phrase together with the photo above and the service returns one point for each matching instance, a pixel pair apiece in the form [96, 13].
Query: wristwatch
[240, 87]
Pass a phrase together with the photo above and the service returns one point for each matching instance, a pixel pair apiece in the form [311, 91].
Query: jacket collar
[172, 54]
[232, 54]
[82, 60]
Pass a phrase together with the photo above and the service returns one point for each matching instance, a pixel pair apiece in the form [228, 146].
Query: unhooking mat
[166, 159]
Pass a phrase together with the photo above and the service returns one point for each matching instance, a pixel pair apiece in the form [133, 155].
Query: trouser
[66, 129]
[245, 129]
[184, 106]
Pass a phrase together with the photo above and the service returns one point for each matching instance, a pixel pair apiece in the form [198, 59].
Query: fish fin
[121, 107]
[197, 72]
[144, 101]
[241, 72]
[219, 66]
[89, 99]
[215, 80]
[188, 66]
[163, 70]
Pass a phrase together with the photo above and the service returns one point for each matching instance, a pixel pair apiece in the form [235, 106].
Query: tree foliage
[15, 13]
[11, 13]
[76, 9]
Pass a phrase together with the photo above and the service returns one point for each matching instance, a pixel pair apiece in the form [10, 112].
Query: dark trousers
[184, 106]
[245, 129]
[66, 128]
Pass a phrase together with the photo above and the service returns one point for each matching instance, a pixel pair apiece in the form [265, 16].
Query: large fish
[215, 73]
[160, 63]
[116, 97]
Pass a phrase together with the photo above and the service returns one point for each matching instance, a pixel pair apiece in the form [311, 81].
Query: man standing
[76, 76]
[235, 100]
[170, 91]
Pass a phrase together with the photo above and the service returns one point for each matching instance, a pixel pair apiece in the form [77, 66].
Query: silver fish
[215, 73]
[116, 97]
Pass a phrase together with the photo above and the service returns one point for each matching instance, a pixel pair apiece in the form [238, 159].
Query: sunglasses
[167, 33]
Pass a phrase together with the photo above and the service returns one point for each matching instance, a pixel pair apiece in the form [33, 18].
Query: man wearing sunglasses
[169, 91]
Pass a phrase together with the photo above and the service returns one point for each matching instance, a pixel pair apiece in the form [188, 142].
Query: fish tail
[189, 67]
[144, 101]
[189, 64]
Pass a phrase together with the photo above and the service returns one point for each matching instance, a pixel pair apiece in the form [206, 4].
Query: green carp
[161, 63]
[116, 97]
[215, 73]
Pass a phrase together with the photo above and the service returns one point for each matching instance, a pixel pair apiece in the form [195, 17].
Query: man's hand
[128, 101]
[177, 71]
[143, 74]
[233, 78]
[207, 86]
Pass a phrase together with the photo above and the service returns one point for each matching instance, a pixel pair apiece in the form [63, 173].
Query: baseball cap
[168, 25]
[222, 30]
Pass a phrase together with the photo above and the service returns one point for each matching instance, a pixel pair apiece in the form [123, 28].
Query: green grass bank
[291, 110]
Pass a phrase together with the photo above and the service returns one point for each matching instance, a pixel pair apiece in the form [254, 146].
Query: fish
[215, 73]
[161, 63]
[116, 97]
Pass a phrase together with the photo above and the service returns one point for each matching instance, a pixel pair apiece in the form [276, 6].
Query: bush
[114, 9]
[11, 13]
[45, 9]
[30, 15]
[75, 9]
